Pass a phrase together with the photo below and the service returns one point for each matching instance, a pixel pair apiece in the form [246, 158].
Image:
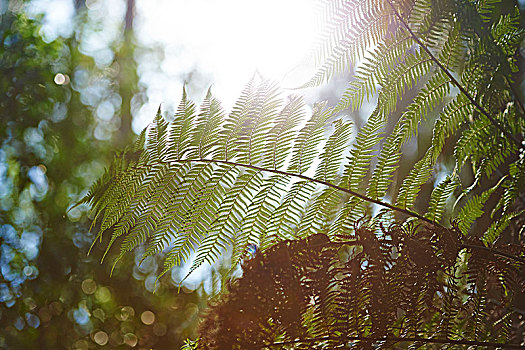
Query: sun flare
[227, 41]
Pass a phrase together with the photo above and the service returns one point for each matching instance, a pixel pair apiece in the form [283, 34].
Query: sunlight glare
[226, 42]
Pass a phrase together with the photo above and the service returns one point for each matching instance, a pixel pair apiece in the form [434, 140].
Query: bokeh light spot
[160, 329]
[147, 317]
[32, 320]
[131, 339]
[125, 313]
[61, 79]
[93, 4]
[89, 286]
[81, 316]
[101, 338]
[103, 295]
[81, 345]
[100, 314]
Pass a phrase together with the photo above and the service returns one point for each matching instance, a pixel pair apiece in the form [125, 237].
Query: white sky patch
[57, 19]
[227, 41]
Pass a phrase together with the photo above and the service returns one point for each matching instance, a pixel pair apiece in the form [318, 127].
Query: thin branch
[363, 197]
[344, 339]
[451, 77]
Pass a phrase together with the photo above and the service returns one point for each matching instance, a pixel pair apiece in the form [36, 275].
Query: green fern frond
[260, 211]
[508, 33]
[418, 176]
[144, 212]
[387, 163]
[431, 95]
[473, 208]
[513, 187]
[352, 36]
[373, 68]
[198, 212]
[228, 220]
[498, 226]
[358, 162]
[439, 196]
[319, 213]
[179, 198]
[285, 222]
[350, 213]
[479, 143]
[282, 135]
[305, 148]
[454, 114]
[207, 122]
[181, 130]
[208, 181]
[401, 79]
[232, 127]
[264, 107]
[333, 151]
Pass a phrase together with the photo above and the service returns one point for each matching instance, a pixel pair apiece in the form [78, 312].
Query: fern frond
[431, 95]
[353, 35]
[180, 131]
[251, 142]
[374, 67]
[282, 135]
[473, 208]
[439, 196]
[228, 220]
[401, 79]
[479, 143]
[498, 226]
[286, 219]
[333, 151]
[209, 120]
[305, 148]
[454, 114]
[260, 211]
[319, 213]
[513, 186]
[417, 177]
[349, 214]
[387, 163]
[232, 126]
[358, 162]
[145, 212]
[171, 223]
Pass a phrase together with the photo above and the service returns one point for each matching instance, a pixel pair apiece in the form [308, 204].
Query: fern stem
[321, 182]
[452, 79]
[398, 339]
[494, 251]
[363, 197]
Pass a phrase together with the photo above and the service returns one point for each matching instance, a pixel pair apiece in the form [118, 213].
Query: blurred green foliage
[53, 144]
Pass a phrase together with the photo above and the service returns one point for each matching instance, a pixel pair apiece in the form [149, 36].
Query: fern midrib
[358, 195]
[454, 81]
[321, 182]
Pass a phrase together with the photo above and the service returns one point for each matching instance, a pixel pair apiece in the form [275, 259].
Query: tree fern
[272, 174]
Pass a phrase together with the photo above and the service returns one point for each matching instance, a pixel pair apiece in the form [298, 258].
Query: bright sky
[226, 41]
[223, 41]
